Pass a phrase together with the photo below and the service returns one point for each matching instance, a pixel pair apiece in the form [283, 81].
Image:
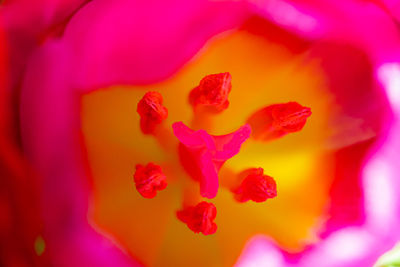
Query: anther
[255, 186]
[149, 179]
[277, 120]
[212, 93]
[151, 111]
[200, 218]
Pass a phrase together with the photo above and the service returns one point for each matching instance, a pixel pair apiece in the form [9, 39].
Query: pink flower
[60, 51]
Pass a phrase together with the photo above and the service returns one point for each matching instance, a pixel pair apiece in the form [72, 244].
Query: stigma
[149, 179]
[255, 186]
[152, 112]
[277, 120]
[202, 155]
[212, 93]
[199, 218]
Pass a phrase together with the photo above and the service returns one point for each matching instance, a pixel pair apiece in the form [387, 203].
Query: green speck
[40, 245]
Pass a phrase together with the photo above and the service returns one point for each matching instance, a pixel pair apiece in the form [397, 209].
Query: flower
[120, 42]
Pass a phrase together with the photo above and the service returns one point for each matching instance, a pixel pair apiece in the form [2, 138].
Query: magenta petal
[208, 153]
[50, 127]
[28, 23]
[131, 42]
[36, 17]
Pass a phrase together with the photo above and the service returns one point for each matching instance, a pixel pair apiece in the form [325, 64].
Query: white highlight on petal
[379, 194]
[287, 15]
[389, 76]
[347, 244]
[260, 252]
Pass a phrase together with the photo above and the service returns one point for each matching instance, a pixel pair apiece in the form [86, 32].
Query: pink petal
[28, 23]
[136, 42]
[50, 131]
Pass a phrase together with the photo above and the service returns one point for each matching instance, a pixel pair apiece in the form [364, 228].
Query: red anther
[256, 186]
[277, 120]
[291, 116]
[149, 179]
[212, 92]
[199, 218]
[151, 111]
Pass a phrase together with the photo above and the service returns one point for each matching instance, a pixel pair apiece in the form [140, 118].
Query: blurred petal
[120, 42]
[50, 131]
[27, 24]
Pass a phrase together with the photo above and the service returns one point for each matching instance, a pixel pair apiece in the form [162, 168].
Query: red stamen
[151, 112]
[256, 186]
[212, 92]
[199, 218]
[149, 179]
[277, 120]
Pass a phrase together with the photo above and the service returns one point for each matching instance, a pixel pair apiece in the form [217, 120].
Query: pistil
[202, 155]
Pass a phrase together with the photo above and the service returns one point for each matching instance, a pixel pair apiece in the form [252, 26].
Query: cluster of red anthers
[202, 155]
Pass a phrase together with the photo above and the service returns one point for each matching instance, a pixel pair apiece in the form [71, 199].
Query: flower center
[115, 144]
[202, 155]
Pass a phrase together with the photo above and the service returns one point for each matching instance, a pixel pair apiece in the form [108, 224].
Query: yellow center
[263, 73]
